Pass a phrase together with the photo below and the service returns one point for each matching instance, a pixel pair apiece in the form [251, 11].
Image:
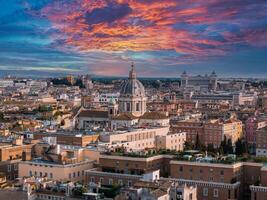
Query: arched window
[137, 106]
[128, 107]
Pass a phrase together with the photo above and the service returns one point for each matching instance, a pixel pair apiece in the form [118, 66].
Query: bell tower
[113, 108]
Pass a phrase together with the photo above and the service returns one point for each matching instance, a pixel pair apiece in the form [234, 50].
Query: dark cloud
[109, 13]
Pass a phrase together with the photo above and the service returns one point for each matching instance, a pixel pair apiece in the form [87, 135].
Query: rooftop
[132, 129]
[154, 115]
[124, 116]
[93, 113]
[68, 133]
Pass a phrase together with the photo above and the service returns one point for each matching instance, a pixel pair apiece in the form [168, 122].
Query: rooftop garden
[141, 154]
[227, 153]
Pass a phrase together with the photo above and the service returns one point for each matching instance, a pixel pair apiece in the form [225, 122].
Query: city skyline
[102, 37]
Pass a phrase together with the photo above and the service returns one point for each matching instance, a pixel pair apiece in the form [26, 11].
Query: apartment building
[191, 127]
[69, 138]
[135, 139]
[252, 124]
[259, 190]
[11, 153]
[214, 181]
[126, 170]
[215, 130]
[209, 131]
[158, 190]
[55, 171]
[261, 142]
[173, 141]
[237, 180]
[58, 162]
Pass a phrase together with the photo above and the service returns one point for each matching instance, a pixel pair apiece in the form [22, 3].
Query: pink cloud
[90, 25]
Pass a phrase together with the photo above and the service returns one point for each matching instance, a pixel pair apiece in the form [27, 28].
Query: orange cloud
[141, 25]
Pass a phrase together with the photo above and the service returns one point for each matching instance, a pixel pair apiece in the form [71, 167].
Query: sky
[162, 37]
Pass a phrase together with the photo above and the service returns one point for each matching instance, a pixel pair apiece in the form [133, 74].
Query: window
[128, 107]
[181, 168]
[222, 172]
[30, 173]
[78, 173]
[101, 180]
[92, 179]
[51, 175]
[190, 196]
[215, 193]
[110, 181]
[74, 174]
[41, 174]
[236, 193]
[138, 106]
[16, 167]
[129, 183]
[205, 192]
[120, 182]
[9, 168]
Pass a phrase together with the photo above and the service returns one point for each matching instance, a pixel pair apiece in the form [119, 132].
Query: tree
[229, 146]
[245, 147]
[210, 148]
[238, 147]
[188, 145]
[197, 145]
[226, 146]
[241, 147]
[78, 191]
[223, 146]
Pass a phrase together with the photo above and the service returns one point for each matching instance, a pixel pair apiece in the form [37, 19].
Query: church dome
[132, 87]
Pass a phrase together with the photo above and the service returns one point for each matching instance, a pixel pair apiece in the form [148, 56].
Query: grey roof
[132, 87]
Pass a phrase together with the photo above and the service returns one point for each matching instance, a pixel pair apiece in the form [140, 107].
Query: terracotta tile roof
[154, 115]
[93, 113]
[158, 193]
[125, 116]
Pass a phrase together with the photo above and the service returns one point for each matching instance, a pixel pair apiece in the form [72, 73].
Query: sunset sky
[162, 37]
